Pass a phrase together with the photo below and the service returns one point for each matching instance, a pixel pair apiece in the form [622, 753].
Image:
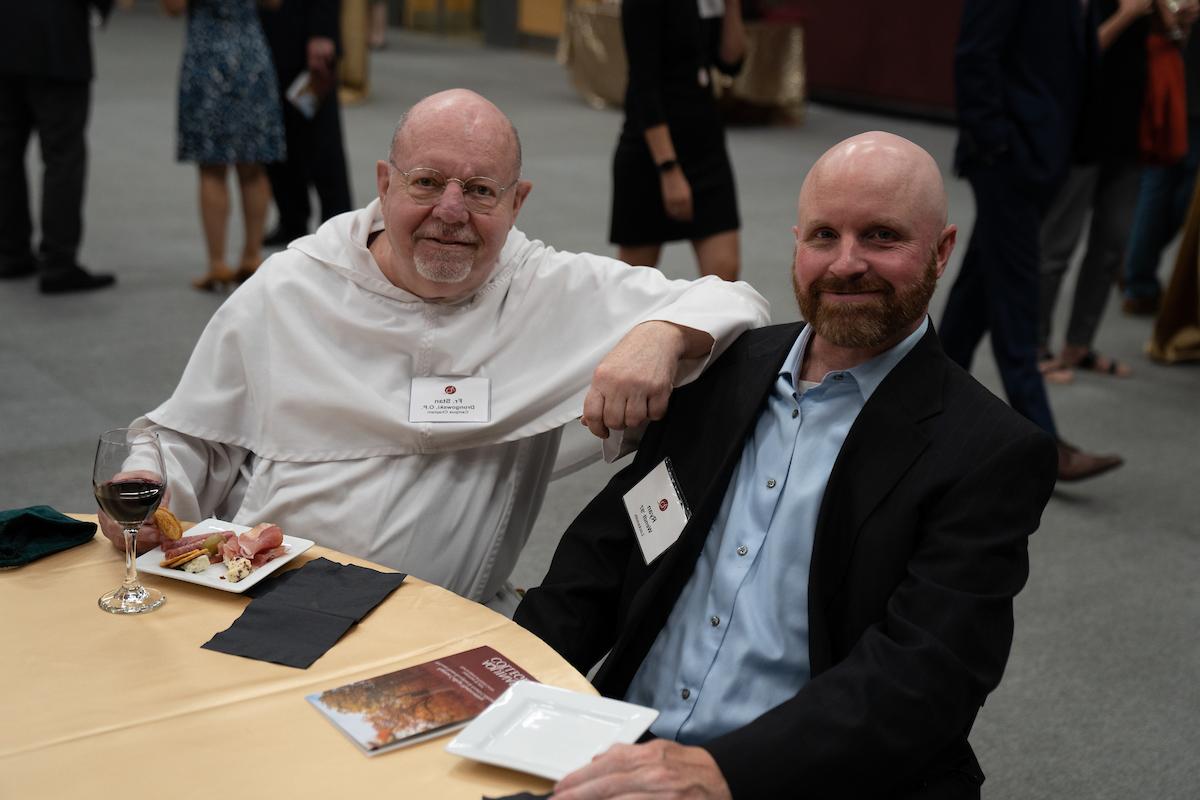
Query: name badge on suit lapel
[657, 510]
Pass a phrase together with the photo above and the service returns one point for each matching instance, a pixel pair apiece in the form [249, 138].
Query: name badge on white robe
[439, 399]
[657, 510]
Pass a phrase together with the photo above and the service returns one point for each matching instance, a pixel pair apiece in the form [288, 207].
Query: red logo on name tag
[450, 390]
[662, 504]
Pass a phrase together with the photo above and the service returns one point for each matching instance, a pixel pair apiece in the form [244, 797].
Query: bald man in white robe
[318, 397]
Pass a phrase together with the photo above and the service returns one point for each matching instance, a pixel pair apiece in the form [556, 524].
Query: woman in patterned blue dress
[229, 113]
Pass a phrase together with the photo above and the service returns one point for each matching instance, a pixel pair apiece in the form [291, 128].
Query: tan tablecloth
[97, 705]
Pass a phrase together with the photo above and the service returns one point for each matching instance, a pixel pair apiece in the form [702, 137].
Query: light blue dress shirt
[736, 643]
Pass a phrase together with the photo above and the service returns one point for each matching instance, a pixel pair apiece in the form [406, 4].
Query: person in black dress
[671, 174]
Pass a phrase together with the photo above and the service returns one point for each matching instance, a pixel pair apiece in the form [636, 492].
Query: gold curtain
[352, 70]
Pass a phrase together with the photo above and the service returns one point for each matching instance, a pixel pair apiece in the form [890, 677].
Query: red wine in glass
[129, 483]
[130, 501]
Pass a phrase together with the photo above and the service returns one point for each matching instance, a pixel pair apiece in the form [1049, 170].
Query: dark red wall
[888, 54]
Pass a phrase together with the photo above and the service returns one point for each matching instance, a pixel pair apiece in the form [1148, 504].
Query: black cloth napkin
[297, 616]
[27, 534]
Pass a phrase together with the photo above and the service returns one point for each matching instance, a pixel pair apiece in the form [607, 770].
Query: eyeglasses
[426, 186]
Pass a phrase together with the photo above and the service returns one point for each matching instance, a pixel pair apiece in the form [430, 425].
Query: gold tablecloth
[772, 76]
[99, 705]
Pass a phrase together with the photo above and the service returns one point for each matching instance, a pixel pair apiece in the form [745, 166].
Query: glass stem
[131, 579]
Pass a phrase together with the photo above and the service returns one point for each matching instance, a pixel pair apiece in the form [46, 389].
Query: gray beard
[442, 271]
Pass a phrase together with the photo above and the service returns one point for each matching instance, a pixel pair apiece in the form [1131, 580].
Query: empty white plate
[547, 731]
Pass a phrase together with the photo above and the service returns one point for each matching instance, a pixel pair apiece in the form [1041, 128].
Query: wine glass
[129, 480]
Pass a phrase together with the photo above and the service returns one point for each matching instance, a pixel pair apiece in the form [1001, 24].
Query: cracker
[181, 559]
[168, 524]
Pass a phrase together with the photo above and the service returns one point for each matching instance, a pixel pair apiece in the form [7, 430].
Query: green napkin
[27, 534]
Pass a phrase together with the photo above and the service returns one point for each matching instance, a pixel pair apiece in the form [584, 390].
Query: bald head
[871, 242]
[468, 112]
[880, 162]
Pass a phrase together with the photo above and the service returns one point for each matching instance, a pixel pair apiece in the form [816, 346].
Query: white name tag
[657, 510]
[450, 400]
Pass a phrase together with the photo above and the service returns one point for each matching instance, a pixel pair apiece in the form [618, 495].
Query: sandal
[1095, 362]
[1053, 369]
[218, 277]
[246, 269]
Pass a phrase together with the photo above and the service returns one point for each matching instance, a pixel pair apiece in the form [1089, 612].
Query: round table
[101, 705]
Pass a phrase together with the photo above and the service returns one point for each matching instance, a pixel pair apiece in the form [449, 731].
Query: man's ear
[945, 247]
[520, 192]
[383, 179]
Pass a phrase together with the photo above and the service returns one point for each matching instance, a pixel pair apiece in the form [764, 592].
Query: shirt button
[770, 483]
[714, 621]
[685, 694]
[742, 550]
[795, 413]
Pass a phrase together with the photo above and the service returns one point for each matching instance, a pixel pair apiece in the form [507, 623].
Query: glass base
[136, 599]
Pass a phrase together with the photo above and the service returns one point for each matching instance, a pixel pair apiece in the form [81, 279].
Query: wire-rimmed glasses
[426, 185]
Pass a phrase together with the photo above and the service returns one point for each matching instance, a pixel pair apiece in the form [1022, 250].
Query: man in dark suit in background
[833, 613]
[303, 35]
[45, 86]
[1022, 69]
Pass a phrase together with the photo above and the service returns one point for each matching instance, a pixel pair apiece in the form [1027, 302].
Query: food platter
[214, 576]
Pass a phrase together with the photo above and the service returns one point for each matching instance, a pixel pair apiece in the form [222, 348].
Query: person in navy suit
[829, 618]
[45, 86]
[1022, 71]
[305, 35]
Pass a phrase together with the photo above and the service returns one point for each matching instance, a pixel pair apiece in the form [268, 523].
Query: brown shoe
[1141, 306]
[1076, 465]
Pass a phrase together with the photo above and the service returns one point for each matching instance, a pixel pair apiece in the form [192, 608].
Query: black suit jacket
[49, 38]
[289, 27]
[1022, 70]
[920, 547]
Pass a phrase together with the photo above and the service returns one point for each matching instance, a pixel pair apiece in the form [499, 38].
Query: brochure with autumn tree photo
[419, 702]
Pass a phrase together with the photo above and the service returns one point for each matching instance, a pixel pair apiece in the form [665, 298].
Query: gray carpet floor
[1100, 699]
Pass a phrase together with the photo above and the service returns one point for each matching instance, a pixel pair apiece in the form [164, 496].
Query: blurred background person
[229, 113]
[304, 37]
[1104, 180]
[45, 86]
[1176, 336]
[1163, 196]
[377, 37]
[671, 174]
[1021, 73]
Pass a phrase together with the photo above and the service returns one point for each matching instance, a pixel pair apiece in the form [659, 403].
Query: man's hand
[633, 383]
[149, 536]
[677, 195]
[657, 769]
[322, 55]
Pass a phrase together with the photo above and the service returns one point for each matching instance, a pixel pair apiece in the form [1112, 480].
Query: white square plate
[547, 731]
[214, 576]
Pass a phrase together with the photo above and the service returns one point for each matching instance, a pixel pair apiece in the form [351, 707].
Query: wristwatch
[666, 166]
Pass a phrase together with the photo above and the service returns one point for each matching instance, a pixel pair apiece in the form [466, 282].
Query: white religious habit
[295, 405]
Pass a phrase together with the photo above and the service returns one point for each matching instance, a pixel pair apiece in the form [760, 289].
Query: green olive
[212, 543]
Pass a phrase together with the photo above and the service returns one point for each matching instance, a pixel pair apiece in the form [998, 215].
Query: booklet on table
[418, 702]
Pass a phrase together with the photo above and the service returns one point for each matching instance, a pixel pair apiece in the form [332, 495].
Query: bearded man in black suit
[828, 619]
[45, 86]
